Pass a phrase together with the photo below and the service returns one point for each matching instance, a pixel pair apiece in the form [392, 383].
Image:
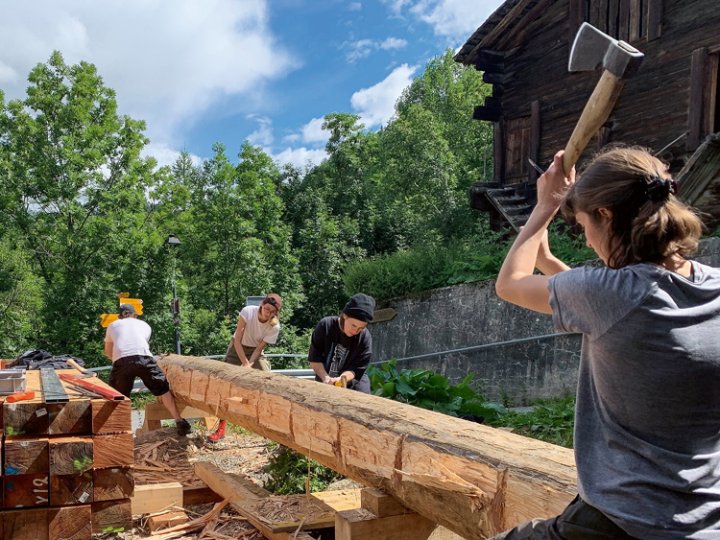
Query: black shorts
[124, 371]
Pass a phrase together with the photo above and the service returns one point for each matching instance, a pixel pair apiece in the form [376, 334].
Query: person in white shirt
[257, 327]
[127, 346]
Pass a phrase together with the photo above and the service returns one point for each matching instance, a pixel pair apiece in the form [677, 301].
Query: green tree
[74, 191]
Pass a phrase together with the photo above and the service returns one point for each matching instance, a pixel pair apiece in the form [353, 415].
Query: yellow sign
[123, 298]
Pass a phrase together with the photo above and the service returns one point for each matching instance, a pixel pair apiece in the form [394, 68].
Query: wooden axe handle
[594, 115]
[73, 364]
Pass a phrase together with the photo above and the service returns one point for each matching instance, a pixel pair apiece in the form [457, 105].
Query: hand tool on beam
[107, 393]
[619, 61]
[20, 396]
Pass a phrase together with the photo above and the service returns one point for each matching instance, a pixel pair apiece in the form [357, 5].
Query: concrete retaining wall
[510, 368]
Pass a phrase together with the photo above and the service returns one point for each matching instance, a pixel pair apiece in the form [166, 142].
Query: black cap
[360, 307]
[126, 309]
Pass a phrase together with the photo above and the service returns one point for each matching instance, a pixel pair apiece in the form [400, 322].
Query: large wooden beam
[473, 479]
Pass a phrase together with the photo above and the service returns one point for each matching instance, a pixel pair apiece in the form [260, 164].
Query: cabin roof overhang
[496, 33]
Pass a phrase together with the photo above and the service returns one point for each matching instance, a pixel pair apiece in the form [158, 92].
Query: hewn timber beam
[473, 479]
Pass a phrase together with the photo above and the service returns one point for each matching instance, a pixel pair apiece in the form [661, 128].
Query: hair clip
[659, 189]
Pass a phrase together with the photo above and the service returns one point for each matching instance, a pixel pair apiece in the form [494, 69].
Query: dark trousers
[579, 521]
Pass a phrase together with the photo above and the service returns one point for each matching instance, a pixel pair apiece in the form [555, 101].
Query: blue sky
[206, 71]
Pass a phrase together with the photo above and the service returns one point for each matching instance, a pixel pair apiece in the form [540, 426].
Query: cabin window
[517, 149]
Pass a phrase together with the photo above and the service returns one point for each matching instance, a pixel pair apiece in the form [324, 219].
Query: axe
[619, 61]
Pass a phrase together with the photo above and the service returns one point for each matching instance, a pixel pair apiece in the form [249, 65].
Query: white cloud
[455, 19]
[355, 6]
[169, 62]
[312, 132]
[362, 48]
[263, 135]
[376, 105]
[300, 157]
[393, 43]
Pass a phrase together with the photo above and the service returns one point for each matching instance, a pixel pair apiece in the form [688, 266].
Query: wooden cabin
[671, 105]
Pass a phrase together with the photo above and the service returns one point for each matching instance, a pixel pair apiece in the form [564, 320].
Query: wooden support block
[441, 533]
[111, 516]
[71, 522]
[111, 416]
[168, 519]
[26, 456]
[380, 503]
[113, 483]
[27, 490]
[24, 524]
[71, 489]
[156, 412]
[199, 495]
[287, 513]
[70, 455]
[113, 450]
[150, 498]
[71, 418]
[25, 418]
[341, 499]
[363, 525]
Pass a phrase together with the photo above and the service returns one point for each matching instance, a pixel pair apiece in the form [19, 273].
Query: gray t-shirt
[647, 420]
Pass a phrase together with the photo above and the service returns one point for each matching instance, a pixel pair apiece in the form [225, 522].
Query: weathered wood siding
[653, 109]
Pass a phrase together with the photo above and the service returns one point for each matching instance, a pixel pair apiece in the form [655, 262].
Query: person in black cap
[127, 346]
[341, 347]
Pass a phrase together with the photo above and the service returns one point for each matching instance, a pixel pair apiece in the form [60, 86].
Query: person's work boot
[183, 427]
[219, 432]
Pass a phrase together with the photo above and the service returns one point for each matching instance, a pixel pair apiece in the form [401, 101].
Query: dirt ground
[162, 456]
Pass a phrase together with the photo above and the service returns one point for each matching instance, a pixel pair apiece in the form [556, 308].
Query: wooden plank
[342, 499]
[698, 64]
[27, 490]
[381, 504]
[71, 489]
[624, 20]
[113, 450]
[111, 516]
[150, 498]
[240, 491]
[71, 522]
[288, 513]
[635, 20]
[31, 524]
[70, 455]
[654, 19]
[534, 145]
[363, 525]
[26, 456]
[71, 418]
[168, 519]
[491, 479]
[199, 495]
[111, 416]
[112, 483]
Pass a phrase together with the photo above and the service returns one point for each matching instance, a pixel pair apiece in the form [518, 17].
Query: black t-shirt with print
[338, 352]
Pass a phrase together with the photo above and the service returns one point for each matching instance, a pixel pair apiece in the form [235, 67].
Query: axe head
[593, 48]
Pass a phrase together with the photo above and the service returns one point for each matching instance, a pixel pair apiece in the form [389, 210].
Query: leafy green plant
[83, 463]
[289, 470]
[549, 420]
[430, 390]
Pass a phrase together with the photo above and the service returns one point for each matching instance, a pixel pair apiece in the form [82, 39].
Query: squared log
[71, 418]
[113, 450]
[71, 522]
[381, 504]
[26, 456]
[25, 491]
[71, 489]
[111, 516]
[25, 418]
[112, 483]
[70, 455]
[24, 524]
[168, 519]
[110, 416]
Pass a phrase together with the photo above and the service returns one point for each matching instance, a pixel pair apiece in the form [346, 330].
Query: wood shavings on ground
[287, 508]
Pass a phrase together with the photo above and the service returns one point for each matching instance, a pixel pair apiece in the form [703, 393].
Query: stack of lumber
[66, 466]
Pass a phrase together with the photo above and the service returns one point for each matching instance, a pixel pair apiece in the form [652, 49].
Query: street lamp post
[174, 242]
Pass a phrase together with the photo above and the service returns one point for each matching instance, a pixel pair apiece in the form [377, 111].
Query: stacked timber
[66, 465]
